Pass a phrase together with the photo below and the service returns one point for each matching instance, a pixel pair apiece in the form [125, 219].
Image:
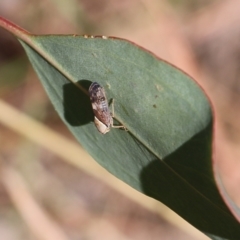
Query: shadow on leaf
[184, 181]
[77, 106]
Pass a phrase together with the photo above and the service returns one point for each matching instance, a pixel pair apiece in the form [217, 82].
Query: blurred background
[41, 195]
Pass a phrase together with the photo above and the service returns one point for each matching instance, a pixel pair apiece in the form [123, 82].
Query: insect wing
[100, 104]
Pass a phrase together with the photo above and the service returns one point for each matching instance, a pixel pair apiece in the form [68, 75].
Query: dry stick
[38, 221]
[73, 153]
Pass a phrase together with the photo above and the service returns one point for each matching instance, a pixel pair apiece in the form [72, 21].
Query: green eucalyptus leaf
[166, 152]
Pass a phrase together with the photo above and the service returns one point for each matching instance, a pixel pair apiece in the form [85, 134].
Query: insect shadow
[77, 105]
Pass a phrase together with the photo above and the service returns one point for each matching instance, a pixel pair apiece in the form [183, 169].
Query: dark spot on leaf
[154, 105]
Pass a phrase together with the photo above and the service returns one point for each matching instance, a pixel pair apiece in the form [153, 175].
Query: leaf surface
[166, 152]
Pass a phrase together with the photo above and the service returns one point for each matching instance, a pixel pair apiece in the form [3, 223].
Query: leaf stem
[15, 30]
[27, 37]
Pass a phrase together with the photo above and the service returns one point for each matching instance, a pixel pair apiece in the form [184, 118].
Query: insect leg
[112, 114]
